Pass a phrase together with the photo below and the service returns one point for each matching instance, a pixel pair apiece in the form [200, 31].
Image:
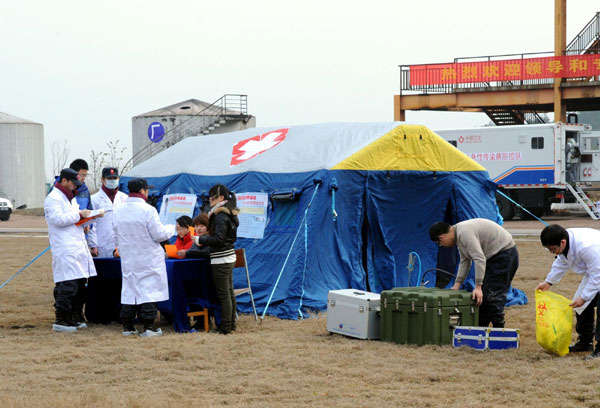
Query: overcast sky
[84, 69]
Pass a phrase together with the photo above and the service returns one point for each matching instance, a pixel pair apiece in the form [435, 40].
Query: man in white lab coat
[138, 233]
[578, 250]
[101, 238]
[72, 263]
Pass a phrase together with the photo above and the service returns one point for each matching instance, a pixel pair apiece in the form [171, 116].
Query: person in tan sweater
[493, 252]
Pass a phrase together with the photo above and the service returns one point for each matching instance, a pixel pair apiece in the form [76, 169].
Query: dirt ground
[277, 363]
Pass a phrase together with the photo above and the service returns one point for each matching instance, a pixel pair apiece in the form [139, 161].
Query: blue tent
[348, 202]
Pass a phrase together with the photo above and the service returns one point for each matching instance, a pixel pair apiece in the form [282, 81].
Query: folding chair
[203, 312]
[240, 262]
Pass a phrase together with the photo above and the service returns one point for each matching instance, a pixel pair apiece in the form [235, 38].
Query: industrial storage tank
[22, 177]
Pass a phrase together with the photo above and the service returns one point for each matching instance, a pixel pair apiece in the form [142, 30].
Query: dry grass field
[277, 363]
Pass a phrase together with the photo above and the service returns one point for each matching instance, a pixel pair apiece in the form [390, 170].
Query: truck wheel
[507, 210]
[4, 217]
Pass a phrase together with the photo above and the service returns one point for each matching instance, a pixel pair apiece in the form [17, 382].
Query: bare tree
[98, 160]
[97, 163]
[115, 155]
[60, 153]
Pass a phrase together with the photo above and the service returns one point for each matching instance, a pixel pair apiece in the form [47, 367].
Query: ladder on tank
[584, 200]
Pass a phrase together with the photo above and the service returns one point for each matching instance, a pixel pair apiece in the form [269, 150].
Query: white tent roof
[304, 148]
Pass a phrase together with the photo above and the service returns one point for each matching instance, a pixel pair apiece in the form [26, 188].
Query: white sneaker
[81, 325]
[64, 328]
[151, 333]
[130, 332]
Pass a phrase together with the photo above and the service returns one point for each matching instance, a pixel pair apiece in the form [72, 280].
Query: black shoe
[129, 329]
[64, 326]
[595, 354]
[581, 347]
[79, 320]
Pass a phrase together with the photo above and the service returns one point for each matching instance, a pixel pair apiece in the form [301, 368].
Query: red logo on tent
[461, 139]
[249, 148]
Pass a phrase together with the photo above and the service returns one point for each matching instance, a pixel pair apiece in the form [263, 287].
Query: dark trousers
[499, 272]
[69, 296]
[223, 279]
[585, 322]
[145, 311]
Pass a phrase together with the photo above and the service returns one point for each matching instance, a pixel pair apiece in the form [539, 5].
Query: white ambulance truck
[529, 162]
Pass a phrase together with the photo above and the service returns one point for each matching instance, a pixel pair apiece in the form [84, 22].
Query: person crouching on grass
[222, 234]
[184, 238]
[492, 249]
[138, 233]
[578, 250]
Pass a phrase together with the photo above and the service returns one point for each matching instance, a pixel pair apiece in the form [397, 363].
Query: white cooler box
[354, 313]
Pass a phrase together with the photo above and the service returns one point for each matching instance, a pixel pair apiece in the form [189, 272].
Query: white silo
[22, 178]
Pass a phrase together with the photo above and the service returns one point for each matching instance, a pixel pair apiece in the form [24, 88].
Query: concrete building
[156, 131]
[22, 178]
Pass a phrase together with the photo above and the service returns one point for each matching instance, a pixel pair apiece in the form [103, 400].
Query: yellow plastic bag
[553, 322]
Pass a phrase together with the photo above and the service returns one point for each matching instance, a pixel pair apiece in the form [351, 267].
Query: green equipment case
[419, 315]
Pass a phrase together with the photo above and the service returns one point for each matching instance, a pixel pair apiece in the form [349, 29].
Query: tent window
[285, 208]
[284, 213]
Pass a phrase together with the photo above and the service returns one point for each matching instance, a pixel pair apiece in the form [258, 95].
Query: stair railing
[589, 35]
[228, 106]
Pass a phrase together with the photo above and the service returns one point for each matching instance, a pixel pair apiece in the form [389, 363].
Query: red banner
[568, 66]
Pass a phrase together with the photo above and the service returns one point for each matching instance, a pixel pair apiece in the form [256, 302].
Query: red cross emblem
[252, 147]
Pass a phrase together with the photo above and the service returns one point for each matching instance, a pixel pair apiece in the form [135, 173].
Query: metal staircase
[504, 116]
[584, 200]
[229, 107]
[588, 39]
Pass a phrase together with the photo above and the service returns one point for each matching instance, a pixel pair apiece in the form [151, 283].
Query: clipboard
[93, 215]
[171, 251]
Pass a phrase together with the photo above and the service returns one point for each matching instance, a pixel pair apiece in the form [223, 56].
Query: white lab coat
[71, 257]
[101, 235]
[583, 258]
[138, 233]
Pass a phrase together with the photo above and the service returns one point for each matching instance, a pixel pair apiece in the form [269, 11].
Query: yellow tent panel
[409, 147]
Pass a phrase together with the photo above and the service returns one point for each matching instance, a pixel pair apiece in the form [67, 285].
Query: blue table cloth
[190, 282]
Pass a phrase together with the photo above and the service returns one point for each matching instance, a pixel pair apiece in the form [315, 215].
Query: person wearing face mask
[109, 197]
[72, 263]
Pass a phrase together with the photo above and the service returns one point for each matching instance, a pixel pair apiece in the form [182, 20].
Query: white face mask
[112, 184]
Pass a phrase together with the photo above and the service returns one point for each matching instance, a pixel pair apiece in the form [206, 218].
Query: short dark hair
[184, 221]
[437, 229]
[201, 219]
[553, 234]
[79, 164]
